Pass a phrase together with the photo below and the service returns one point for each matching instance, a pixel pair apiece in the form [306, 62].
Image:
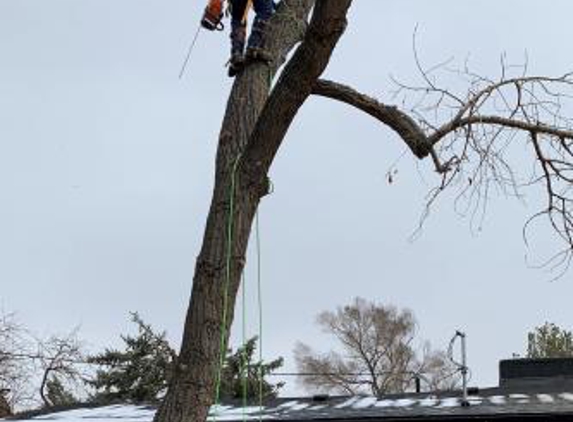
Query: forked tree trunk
[253, 127]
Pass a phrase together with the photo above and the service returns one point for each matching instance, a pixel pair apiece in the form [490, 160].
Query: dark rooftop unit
[550, 374]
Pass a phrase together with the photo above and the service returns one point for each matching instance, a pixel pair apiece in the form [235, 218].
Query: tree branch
[411, 132]
[531, 127]
[471, 148]
[408, 129]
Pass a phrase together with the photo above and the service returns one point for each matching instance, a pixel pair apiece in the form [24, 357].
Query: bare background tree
[15, 368]
[380, 353]
[35, 370]
[438, 371]
[59, 359]
[549, 341]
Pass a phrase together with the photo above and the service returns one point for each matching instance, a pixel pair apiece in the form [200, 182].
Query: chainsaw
[213, 16]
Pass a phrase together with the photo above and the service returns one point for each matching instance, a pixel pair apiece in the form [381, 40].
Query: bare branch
[391, 116]
[478, 143]
[471, 148]
[58, 357]
[509, 123]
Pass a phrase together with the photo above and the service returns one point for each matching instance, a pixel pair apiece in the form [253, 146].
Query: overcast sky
[106, 166]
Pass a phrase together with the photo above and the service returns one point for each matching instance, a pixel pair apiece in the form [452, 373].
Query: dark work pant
[263, 10]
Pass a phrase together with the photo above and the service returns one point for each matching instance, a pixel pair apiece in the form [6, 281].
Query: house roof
[491, 404]
[530, 390]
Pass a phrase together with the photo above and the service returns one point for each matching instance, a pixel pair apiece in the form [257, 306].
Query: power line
[412, 374]
[347, 374]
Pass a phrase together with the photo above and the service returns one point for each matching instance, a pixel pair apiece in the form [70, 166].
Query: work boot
[238, 37]
[256, 48]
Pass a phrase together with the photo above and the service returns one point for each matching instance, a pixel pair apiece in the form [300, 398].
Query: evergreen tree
[243, 378]
[549, 341]
[57, 394]
[140, 373]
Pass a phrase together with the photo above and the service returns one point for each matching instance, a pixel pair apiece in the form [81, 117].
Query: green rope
[244, 368]
[260, 304]
[244, 361]
[227, 282]
[244, 364]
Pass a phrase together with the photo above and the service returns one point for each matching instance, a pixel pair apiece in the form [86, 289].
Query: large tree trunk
[243, 141]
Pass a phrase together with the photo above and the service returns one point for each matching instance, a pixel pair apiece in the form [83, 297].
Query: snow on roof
[353, 408]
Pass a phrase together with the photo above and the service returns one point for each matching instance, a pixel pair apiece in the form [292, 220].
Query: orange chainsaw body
[213, 16]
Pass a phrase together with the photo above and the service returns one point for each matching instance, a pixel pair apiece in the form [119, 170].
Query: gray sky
[106, 165]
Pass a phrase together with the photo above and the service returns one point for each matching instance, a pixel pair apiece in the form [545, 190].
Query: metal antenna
[189, 51]
[463, 367]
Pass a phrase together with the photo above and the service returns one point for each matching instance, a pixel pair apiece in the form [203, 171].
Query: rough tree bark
[252, 129]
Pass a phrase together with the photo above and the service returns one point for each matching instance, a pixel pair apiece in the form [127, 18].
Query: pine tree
[57, 394]
[243, 378]
[549, 341]
[140, 373]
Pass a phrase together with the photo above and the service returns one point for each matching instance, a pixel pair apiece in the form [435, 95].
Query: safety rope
[229, 252]
[260, 306]
[244, 360]
[245, 373]
[222, 352]
[230, 224]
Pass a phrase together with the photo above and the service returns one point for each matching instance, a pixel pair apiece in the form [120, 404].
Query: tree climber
[256, 45]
